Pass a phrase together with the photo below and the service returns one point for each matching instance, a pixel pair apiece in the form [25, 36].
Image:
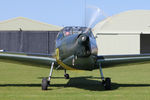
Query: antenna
[85, 13]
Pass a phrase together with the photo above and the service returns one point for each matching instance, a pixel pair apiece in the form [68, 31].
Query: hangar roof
[129, 22]
[27, 24]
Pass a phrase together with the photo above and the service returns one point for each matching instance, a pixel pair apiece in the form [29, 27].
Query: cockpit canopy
[66, 31]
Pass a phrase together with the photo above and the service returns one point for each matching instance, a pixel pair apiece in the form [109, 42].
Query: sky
[68, 12]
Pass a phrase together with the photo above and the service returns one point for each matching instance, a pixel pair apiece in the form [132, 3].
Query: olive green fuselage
[76, 53]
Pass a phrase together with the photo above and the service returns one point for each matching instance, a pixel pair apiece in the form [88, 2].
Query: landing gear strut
[66, 75]
[106, 82]
[45, 81]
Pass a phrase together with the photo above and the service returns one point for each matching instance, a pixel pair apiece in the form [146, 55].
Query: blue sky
[65, 12]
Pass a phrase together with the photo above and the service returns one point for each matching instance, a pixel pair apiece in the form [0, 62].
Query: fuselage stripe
[61, 63]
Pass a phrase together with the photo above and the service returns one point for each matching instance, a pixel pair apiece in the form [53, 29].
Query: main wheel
[44, 84]
[107, 84]
[66, 76]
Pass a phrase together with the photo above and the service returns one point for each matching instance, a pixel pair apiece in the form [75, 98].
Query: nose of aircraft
[83, 39]
[83, 46]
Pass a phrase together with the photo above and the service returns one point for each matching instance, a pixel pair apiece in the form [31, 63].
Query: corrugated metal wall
[28, 41]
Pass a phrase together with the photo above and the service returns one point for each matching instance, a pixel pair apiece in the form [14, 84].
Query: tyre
[66, 76]
[107, 84]
[44, 84]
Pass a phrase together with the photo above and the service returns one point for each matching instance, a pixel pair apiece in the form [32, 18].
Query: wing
[27, 58]
[110, 60]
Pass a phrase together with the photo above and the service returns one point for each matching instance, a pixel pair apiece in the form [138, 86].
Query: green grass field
[22, 82]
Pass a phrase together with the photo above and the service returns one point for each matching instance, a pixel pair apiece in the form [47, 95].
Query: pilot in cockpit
[67, 31]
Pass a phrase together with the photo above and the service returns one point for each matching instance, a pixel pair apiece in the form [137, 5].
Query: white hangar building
[124, 33]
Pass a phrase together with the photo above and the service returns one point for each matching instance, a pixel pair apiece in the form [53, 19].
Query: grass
[22, 82]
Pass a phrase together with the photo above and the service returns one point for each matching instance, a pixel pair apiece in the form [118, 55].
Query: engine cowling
[83, 46]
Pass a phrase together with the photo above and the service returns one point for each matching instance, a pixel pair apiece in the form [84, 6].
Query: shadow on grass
[80, 82]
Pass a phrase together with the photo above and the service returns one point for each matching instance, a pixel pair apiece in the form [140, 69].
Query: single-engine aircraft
[76, 49]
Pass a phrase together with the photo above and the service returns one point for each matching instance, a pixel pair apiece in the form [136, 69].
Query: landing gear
[66, 75]
[44, 84]
[45, 81]
[106, 82]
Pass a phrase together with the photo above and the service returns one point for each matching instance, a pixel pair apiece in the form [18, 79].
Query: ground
[23, 82]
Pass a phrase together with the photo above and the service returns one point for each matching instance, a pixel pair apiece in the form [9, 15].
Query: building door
[144, 43]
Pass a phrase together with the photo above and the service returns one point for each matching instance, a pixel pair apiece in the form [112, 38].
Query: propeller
[93, 15]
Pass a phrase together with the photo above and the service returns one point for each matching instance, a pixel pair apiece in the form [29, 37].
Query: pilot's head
[67, 33]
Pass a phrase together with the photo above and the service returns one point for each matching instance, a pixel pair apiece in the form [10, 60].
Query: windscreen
[74, 30]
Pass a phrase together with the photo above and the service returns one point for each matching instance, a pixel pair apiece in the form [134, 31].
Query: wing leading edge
[23, 58]
[109, 60]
